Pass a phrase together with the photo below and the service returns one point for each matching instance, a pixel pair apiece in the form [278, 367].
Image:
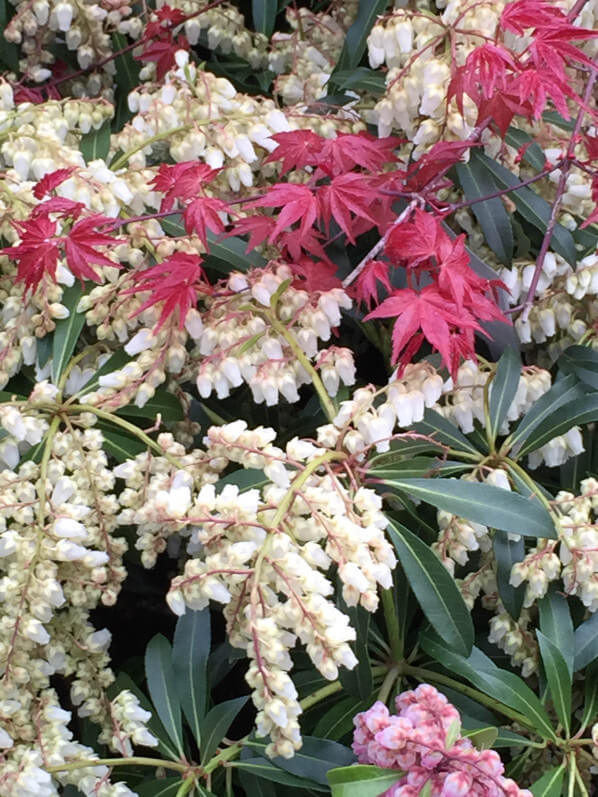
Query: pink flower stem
[562, 184]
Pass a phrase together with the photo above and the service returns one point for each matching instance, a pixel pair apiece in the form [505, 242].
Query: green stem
[325, 400]
[572, 771]
[86, 763]
[124, 158]
[392, 624]
[223, 755]
[130, 427]
[524, 476]
[429, 675]
[185, 786]
[387, 683]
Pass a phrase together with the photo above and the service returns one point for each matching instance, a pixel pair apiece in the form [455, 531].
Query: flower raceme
[423, 740]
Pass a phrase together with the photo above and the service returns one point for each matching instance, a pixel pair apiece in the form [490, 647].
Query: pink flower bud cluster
[423, 741]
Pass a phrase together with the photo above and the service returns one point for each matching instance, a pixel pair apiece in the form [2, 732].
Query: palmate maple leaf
[415, 241]
[79, 247]
[296, 149]
[202, 214]
[342, 154]
[426, 313]
[183, 181]
[298, 203]
[437, 159]
[345, 195]
[161, 51]
[314, 277]
[174, 283]
[51, 181]
[38, 252]
[367, 283]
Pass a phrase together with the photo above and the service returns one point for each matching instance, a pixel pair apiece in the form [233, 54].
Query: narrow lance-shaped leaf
[557, 625]
[586, 642]
[314, 760]
[558, 677]
[581, 411]
[506, 553]
[590, 702]
[550, 784]
[67, 332]
[482, 503]
[264, 15]
[160, 683]
[361, 781]
[443, 431]
[503, 389]
[95, 144]
[356, 38]
[490, 213]
[215, 725]
[581, 361]
[190, 652]
[435, 590]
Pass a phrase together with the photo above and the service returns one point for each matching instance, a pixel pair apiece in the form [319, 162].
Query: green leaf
[491, 214]
[586, 643]
[562, 392]
[161, 787]
[160, 683]
[121, 446]
[215, 725]
[9, 51]
[163, 403]
[96, 143]
[262, 768]
[503, 686]
[420, 466]
[590, 702]
[314, 760]
[114, 363]
[445, 432]
[361, 780]
[482, 738]
[550, 784]
[532, 207]
[558, 677]
[190, 652]
[67, 332]
[533, 153]
[264, 15]
[482, 503]
[435, 590]
[576, 413]
[356, 38]
[245, 479]
[337, 721]
[127, 78]
[403, 451]
[506, 553]
[361, 79]
[254, 787]
[44, 349]
[358, 681]
[557, 625]
[581, 361]
[503, 389]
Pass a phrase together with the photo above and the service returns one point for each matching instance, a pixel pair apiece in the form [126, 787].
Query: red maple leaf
[203, 213]
[486, 71]
[175, 283]
[161, 51]
[38, 252]
[184, 180]
[535, 86]
[298, 203]
[314, 277]
[524, 14]
[346, 194]
[51, 181]
[348, 150]
[427, 311]
[415, 241]
[296, 149]
[258, 228]
[438, 158]
[170, 17]
[367, 283]
[79, 247]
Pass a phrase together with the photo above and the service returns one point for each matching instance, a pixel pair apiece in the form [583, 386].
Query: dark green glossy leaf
[127, 78]
[114, 363]
[215, 725]
[590, 702]
[532, 207]
[420, 466]
[562, 392]
[361, 781]
[9, 51]
[586, 643]
[558, 677]
[358, 681]
[67, 332]
[491, 214]
[121, 446]
[503, 389]
[581, 361]
[533, 153]
[435, 590]
[576, 413]
[163, 403]
[403, 451]
[44, 349]
[261, 768]
[256, 787]
[434, 425]
[506, 553]
[264, 15]
[246, 479]
[557, 625]
[356, 38]
[190, 652]
[96, 143]
[361, 79]
[482, 503]
[550, 784]
[160, 683]
[482, 738]
[506, 687]
[161, 787]
[337, 721]
[314, 760]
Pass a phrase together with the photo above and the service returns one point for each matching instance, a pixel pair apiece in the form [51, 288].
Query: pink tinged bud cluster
[423, 741]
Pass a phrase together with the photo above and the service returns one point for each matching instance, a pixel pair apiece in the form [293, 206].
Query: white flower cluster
[371, 416]
[412, 45]
[457, 538]
[236, 341]
[517, 639]
[265, 553]
[128, 725]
